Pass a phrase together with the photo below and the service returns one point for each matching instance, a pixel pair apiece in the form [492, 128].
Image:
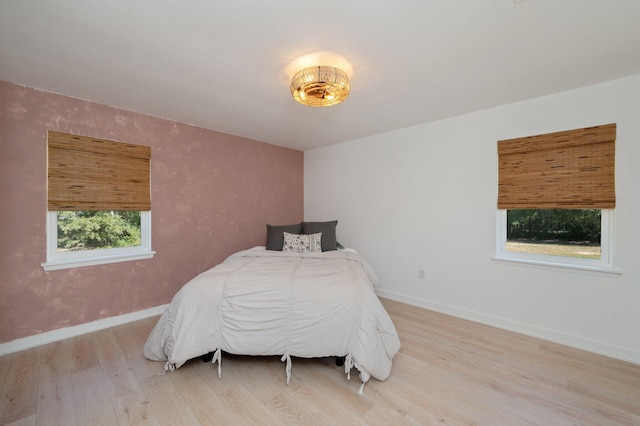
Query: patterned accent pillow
[302, 243]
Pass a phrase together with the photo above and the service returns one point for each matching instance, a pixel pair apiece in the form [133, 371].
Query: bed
[288, 303]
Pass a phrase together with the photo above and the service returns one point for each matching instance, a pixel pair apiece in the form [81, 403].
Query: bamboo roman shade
[95, 174]
[574, 169]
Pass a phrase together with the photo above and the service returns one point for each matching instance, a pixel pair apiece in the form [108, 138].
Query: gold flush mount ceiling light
[320, 86]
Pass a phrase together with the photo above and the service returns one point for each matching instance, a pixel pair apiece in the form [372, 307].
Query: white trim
[600, 348]
[77, 330]
[605, 264]
[556, 265]
[96, 260]
[65, 260]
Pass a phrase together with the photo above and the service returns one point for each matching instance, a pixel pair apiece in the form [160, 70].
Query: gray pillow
[328, 230]
[275, 234]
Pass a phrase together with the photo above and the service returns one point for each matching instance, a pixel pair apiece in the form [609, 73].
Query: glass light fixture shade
[320, 86]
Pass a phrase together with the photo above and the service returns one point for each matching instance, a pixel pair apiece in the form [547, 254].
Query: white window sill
[555, 265]
[56, 264]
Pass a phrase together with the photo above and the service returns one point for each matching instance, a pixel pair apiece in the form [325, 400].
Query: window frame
[64, 260]
[604, 264]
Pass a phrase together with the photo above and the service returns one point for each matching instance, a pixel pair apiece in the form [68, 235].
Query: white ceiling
[226, 64]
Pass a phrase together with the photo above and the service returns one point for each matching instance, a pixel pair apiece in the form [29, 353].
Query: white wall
[424, 197]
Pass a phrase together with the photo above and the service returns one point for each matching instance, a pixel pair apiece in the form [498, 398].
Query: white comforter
[260, 302]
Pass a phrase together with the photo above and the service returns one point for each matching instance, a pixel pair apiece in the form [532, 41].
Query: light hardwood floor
[448, 371]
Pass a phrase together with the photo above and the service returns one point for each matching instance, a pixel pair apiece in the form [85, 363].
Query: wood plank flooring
[448, 371]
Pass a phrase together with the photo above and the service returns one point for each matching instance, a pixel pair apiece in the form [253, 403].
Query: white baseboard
[600, 348]
[77, 330]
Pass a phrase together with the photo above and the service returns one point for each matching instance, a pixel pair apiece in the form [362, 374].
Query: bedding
[302, 243]
[328, 231]
[264, 302]
[275, 234]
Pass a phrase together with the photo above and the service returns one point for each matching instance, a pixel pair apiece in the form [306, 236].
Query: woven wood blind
[95, 174]
[573, 169]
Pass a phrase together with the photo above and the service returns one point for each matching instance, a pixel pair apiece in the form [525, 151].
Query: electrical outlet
[421, 274]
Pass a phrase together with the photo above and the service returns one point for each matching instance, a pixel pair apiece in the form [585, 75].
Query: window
[95, 230]
[556, 198]
[98, 201]
[555, 251]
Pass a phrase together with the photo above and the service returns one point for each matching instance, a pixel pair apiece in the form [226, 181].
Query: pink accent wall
[212, 194]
